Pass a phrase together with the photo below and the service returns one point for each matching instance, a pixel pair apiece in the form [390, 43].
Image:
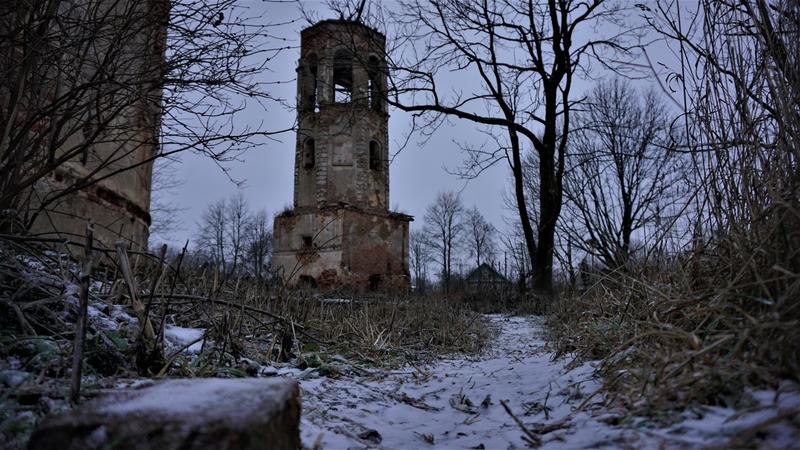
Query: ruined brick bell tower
[341, 232]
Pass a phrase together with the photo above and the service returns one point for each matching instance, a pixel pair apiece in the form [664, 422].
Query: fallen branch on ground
[530, 438]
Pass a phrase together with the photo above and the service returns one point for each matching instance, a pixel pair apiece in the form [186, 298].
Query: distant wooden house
[485, 278]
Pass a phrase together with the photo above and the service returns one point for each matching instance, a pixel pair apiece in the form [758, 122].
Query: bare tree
[211, 236]
[223, 233]
[523, 56]
[258, 238]
[443, 229]
[738, 83]
[164, 213]
[480, 236]
[622, 171]
[516, 259]
[420, 252]
[238, 218]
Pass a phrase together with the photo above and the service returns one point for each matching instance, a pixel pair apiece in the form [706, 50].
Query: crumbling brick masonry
[341, 232]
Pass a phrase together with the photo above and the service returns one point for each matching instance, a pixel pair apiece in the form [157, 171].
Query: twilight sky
[417, 173]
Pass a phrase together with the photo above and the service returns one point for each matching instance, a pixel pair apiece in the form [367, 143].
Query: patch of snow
[455, 403]
[715, 426]
[178, 337]
[336, 300]
[267, 371]
[14, 378]
[71, 292]
[96, 287]
[100, 320]
[118, 313]
[11, 362]
[96, 317]
[134, 383]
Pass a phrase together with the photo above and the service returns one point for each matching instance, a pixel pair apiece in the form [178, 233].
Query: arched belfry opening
[342, 76]
[311, 83]
[374, 88]
[309, 153]
[341, 175]
[374, 155]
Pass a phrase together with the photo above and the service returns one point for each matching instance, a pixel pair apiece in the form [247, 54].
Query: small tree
[516, 260]
[443, 229]
[480, 236]
[420, 252]
[163, 212]
[258, 243]
[238, 218]
[222, 233]
[211, 236]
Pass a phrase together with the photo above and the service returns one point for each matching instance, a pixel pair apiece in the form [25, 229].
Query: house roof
[485, 273]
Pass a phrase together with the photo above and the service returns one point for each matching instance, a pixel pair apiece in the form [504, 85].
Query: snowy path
[456, 404]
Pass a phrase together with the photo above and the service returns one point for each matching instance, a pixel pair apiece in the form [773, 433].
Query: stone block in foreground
[190, 414]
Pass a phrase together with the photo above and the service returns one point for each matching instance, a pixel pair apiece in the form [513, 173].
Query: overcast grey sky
[417, 174]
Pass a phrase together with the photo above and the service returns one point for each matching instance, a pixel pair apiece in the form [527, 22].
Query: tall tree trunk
[446, 268]
[550, 194]
[519, 193]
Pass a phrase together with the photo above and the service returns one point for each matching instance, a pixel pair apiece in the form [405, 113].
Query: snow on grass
[179, 337]
[455, 403]
[100, 320]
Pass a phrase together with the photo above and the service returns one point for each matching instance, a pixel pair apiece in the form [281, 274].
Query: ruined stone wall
[376, 250]
[118, 204]
[338, 247]
[341, 171]
[306, 243]
[341, 131]
[118, 162]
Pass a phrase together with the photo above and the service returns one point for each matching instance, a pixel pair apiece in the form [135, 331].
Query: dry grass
[242, 316]
[698, 331]
[383, 331]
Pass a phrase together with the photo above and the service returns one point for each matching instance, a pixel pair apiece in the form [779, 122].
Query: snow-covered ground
[456, 403]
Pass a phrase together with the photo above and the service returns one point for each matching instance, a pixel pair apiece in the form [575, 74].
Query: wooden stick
[156, 281]
[80, 324]
[165, 304]
[138, 307]
[532, 439]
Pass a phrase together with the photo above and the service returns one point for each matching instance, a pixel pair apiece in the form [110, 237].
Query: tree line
[621, 186]
[451, 234]
[233, 239]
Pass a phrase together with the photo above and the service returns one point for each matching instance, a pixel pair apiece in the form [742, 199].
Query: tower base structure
[342, 247]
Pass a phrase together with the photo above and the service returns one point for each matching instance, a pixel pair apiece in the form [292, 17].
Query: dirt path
[456, 403]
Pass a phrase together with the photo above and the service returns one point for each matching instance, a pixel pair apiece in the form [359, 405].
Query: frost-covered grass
[206, 325]
[668, 343]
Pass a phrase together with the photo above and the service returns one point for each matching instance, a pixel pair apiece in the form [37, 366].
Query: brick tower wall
[341, 233]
